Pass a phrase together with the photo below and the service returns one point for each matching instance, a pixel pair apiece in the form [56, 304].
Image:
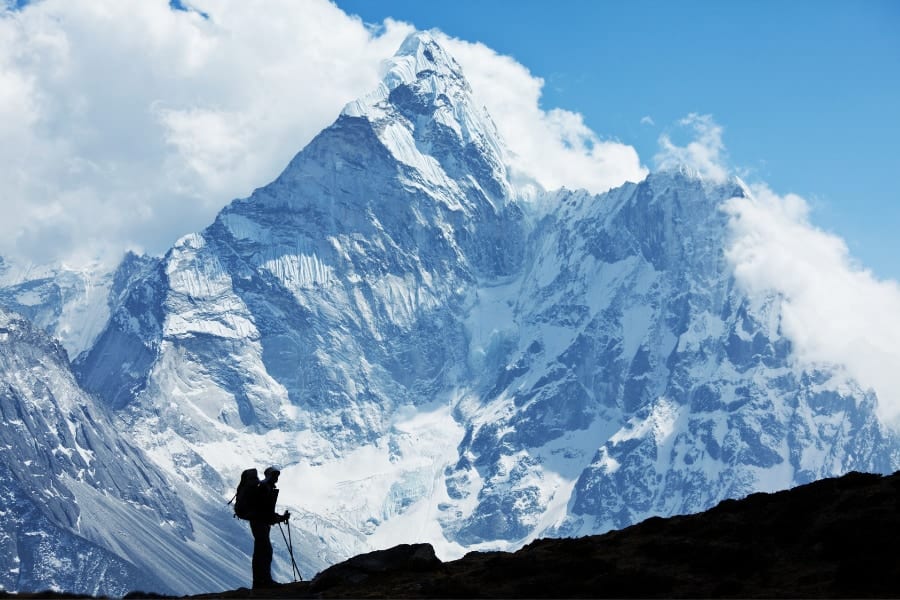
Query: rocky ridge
[828, 539]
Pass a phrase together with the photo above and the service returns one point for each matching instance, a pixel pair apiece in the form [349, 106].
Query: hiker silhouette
[262, 516]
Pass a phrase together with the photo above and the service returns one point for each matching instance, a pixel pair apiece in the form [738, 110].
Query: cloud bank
[834, 311]
[553, 147]
[127, 123]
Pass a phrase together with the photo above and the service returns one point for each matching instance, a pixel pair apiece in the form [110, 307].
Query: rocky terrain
[834, 538]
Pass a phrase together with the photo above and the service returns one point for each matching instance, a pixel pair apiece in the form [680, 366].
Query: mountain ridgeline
[435, 358]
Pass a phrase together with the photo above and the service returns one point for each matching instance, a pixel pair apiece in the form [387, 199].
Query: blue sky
[127, 124]
[807, 93]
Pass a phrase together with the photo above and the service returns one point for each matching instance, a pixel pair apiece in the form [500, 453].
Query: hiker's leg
[267, 556]
[262, 553]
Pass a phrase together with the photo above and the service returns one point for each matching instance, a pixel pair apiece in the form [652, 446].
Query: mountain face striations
[83, 509]
[433, 357]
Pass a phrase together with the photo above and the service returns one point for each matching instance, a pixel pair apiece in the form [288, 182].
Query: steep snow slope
[83, 510]
[433, 360]
[69, 304]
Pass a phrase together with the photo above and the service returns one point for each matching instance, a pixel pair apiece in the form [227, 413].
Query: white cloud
[554, 147]
[647, 120]
[834, 312]
[705, 154]
[127, 124]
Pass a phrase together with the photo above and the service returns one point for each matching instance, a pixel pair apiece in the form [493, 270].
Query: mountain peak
[425, 114]
[681, 174]
[426, 55]
[419, 57]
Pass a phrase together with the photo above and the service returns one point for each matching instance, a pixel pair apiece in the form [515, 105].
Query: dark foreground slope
[832, 538]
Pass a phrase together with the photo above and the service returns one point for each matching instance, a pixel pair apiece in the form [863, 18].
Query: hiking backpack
[244, 497]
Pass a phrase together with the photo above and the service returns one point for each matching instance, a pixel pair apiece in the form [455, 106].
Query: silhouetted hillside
[832, 538]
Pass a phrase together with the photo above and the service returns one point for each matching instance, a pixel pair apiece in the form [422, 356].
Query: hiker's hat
[272, 469]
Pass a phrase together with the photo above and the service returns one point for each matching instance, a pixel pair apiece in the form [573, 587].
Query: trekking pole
[290, 549]
[294, 562]
[291, 542]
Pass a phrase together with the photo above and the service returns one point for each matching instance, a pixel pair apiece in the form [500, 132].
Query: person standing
[262, 517]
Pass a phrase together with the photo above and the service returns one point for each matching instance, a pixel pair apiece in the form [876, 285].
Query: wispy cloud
[705, 153]
[647, 120]
[833, 311]
[555, 147]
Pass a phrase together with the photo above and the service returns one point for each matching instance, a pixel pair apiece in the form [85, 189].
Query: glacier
[435, 355]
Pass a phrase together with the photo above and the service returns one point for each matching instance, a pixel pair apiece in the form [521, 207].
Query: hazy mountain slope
[84, 510]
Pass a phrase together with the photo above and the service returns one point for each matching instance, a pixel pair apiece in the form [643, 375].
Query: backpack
[244, 497]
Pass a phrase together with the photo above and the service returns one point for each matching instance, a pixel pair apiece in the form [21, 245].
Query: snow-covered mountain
[70, 304]
[433, 358]
[638, 380]
[83, 510]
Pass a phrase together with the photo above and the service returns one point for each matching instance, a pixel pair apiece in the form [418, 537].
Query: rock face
[432, 357]
[84, 510]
